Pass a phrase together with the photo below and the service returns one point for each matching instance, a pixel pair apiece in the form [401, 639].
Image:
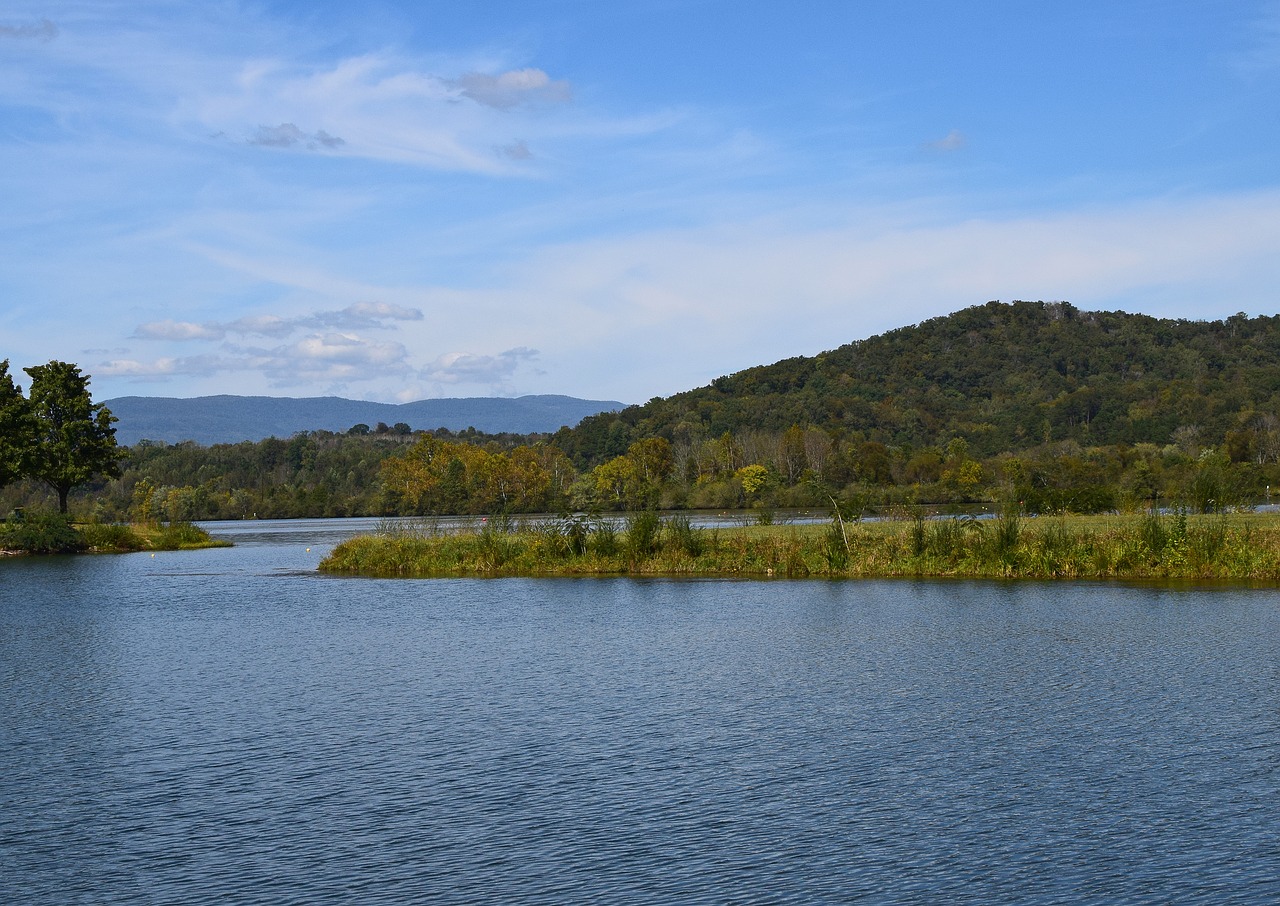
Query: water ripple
[168, 736]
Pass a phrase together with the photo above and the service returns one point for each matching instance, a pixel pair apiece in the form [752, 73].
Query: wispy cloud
[511, 89]
[382, 107]
[516, 151]
[361, 315]
[952, 141]
[178, 330]
[287, 135]
[44, 30]
[466, 368]
[331, 357]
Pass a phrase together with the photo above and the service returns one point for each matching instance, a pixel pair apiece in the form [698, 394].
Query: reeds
[1239, 547]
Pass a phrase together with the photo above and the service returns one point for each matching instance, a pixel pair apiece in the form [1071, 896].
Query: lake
[228, 725]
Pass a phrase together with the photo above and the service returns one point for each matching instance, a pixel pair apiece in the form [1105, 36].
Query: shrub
[41, 533]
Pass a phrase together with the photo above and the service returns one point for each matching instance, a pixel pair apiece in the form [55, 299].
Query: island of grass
[55, 533]
[1236, 547]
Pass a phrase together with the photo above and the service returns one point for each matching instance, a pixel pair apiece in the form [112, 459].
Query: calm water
[227, 725]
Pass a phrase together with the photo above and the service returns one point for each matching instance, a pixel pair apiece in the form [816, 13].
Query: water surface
[229, 725]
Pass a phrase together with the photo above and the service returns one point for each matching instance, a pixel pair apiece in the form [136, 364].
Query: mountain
[229, 419]
[1001, 376]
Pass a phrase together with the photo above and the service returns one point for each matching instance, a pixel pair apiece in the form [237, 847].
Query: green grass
[1233, 547]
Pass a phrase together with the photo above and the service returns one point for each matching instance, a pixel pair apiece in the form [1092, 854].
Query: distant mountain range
[230, 419]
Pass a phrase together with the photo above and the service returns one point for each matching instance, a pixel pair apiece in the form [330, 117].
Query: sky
[402, 199]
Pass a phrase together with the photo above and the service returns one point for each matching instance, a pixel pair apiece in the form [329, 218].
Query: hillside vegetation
[1040, 403]
[1004, 377]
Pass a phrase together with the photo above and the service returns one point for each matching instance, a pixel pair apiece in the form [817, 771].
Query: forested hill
[1003, 377]
[229, 419]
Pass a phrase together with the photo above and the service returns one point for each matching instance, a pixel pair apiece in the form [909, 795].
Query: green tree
[74, 437]
[17, 428]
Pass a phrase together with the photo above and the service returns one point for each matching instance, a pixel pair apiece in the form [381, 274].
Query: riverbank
[1243, 547]
[51, 533]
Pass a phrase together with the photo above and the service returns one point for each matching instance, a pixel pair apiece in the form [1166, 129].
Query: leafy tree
[617, 481]
[17, 428]
[754, 478]
[74, 437]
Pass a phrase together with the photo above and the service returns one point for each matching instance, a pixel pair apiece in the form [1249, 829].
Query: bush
[41, 533]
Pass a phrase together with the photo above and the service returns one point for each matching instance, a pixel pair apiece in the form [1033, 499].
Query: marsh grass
[1156, 546]
[53, 533]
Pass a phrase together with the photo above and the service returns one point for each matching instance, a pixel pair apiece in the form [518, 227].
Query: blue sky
[401, 200]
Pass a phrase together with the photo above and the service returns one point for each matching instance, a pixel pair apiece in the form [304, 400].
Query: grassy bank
[52, 533]
[1222, 547]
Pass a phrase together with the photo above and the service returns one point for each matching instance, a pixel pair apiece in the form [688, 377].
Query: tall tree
[74, 437]
[17, 428]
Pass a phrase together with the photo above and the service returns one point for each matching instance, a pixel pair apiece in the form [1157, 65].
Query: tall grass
[1148, 546]
[54, 533]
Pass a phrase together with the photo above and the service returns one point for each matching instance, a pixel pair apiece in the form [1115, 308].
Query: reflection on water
[228, 725]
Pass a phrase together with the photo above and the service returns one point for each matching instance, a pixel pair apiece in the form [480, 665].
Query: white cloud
[166, 367]
[136, 368]
[331, 356]
[511, 89]
[339, 349]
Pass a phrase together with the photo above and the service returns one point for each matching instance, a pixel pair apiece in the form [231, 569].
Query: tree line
[327, 474]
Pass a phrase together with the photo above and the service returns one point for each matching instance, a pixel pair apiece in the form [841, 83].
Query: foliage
[439, 476]
[74, 438]
[17, 428]
[40, 533]
[1004, 376]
